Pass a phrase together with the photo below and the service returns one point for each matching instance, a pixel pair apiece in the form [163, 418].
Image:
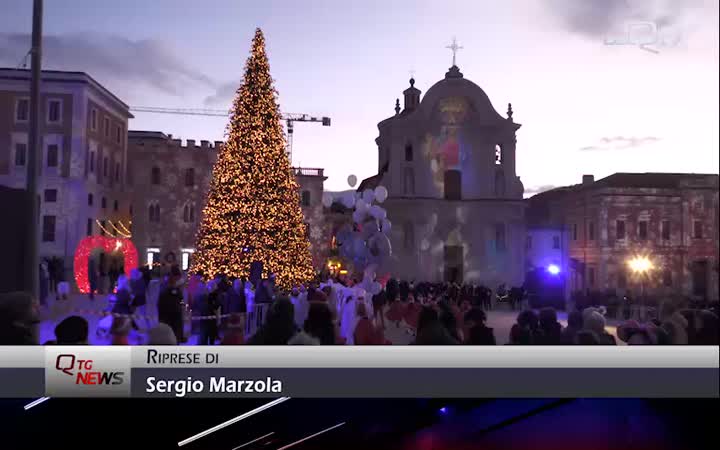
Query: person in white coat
[301, 305]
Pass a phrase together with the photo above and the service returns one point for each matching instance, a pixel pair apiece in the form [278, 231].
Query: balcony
[308, 172]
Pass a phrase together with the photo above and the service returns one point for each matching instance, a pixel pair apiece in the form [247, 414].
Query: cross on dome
[454, 47]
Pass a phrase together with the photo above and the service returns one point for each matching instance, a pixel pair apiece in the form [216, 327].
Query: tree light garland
[254, 201]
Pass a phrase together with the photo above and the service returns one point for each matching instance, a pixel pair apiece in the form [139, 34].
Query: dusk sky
[585, 107]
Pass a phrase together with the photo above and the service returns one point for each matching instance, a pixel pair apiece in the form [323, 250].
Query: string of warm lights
[126, 229]
[121, 233]
[104, 230]
[253, 201]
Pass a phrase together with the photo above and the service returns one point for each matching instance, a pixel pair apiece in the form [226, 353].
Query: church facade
[455, 200]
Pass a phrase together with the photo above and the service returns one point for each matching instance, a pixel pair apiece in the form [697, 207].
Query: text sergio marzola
[181, 387]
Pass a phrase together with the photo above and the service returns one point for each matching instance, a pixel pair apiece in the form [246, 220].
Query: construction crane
[289, 118]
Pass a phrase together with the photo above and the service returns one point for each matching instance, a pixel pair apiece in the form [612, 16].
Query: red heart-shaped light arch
[108, 244]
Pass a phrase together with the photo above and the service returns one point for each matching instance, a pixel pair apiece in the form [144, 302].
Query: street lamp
[641, 266]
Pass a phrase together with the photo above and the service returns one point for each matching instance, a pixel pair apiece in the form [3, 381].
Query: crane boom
[289, 118]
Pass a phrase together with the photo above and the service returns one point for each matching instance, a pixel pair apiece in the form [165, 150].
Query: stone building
[169, 183]
[670, 219]
[83, 133]
[455, 200]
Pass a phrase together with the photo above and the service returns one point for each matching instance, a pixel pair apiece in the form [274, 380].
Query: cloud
[223, 95]
[598, 18]
[539, 189]
[110, 58]
[620, 143]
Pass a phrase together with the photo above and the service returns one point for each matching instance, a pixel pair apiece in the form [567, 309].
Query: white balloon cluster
[366, 243]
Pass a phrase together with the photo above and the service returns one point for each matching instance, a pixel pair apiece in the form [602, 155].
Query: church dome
[454, 85]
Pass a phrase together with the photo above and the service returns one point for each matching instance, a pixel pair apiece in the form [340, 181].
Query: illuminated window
[186, 254]
[498, 154]
[150, 256]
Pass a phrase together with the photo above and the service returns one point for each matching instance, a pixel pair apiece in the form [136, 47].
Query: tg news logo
[81, 370]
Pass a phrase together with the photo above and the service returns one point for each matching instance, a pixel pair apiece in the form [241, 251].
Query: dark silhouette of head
[72, 330]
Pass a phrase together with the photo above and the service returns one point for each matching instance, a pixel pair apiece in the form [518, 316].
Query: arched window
[498, 154]
[408, 152]
[103, 203]
[116, 205]
[453, 185]
[90, 199]
[154, 212]
[189, 213]
[155, 175]
[408, 236]
[305, 198]
[409, 181]
[500, 184]
[190, 177]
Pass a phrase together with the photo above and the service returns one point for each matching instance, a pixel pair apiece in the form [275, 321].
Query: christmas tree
[252, 212]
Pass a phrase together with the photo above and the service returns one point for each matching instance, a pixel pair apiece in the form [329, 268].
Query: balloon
[360, 205]
[378, 212]
[368, 195]
[327, 199]
[352, 180]
[386, 226]
[348, 200]
[381, 194]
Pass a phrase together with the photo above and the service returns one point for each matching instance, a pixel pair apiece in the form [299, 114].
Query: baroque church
[455, 201]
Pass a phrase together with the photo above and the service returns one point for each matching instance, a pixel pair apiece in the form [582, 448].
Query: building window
[151, 252]
[667, 277]
[48, 229]
[409, 182]
[89, 227]
[528, 242]
[500, 237]
[189, 213]
[498, 154]
[117, 172]
[103, 203]
[697, 229]
[155, 175]
[591, 231]
[92, 162]
[622, 280]
[574, 232]
[22, 110]
[154, 212]
[130, 210]
[90, 199]
[54, 111]
[105, 166]
[118, 134]
[305, 198]
[453, 185]
[190, 177]
[643, 230]
[116, 206]
[102, 228]
[500, 184]
[591, 276]
[106, 126]
[52, 155]
[93, 119]
[620, 229]
[408, 152]
[665, 230]
[186, 255]
[50, 195]
[20, 154]
[556, 242]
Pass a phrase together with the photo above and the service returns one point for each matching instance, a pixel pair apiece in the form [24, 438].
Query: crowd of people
[338, 312]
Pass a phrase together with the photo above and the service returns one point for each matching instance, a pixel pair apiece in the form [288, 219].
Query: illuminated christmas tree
[252, 212]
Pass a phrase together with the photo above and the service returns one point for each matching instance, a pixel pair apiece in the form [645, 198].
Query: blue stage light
[553, 269]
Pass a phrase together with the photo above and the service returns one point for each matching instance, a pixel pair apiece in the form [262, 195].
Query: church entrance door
[453, 264]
